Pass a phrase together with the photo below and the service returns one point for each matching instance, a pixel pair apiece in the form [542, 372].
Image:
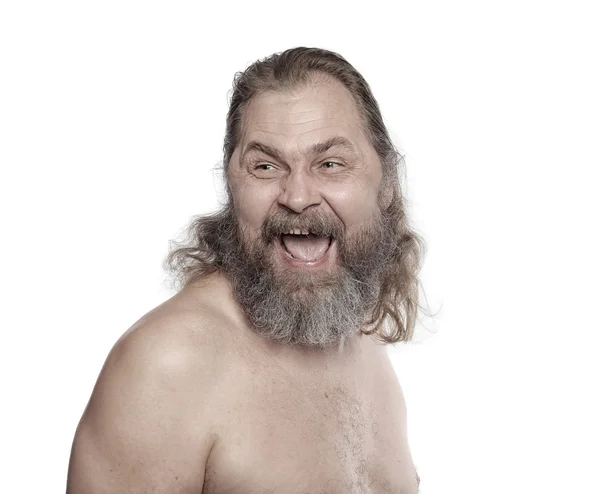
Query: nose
[299, 191]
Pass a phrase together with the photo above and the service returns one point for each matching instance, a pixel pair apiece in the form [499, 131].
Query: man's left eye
[331, 164]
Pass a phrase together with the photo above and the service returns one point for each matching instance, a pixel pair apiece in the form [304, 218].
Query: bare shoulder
[148, 425]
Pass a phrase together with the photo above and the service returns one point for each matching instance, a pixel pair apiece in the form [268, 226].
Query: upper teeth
[297, 231]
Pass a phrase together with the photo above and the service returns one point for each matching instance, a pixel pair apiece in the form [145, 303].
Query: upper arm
[147, 427]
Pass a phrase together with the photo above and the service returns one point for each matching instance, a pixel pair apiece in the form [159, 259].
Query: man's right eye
[265, 166]
[264, 169]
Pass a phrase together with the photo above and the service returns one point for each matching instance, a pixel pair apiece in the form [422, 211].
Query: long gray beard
[303, 309]
[312, 316]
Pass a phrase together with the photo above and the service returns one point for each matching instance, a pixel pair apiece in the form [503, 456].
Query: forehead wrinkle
[312, 110]
[291, 134]
[283, 121]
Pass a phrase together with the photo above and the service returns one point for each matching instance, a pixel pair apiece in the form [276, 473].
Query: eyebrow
[336, 141]
[317, 148]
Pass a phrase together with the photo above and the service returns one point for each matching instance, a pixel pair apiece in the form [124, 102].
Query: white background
[111, 121]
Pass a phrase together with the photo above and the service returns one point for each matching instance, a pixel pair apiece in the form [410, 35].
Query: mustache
[317, 222]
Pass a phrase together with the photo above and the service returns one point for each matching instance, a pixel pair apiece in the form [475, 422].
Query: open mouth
[305, 246]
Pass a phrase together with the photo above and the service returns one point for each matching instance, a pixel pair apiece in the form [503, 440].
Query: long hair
[394, 316]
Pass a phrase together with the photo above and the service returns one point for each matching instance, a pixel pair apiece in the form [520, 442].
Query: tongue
[306, 247]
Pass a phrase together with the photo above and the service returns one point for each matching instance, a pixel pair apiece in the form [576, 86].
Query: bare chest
[279, 434]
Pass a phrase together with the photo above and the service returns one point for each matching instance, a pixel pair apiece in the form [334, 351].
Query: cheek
[355, 204]
[252, 204]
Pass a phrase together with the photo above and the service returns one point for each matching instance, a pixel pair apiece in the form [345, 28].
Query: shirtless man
[268, 371]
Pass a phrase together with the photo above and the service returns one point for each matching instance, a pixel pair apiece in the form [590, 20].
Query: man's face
[305, 165]
[303, 152]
